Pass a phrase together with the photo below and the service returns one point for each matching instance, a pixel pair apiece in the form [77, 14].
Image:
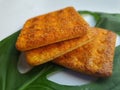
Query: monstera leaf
[36, 79]
[106, 20]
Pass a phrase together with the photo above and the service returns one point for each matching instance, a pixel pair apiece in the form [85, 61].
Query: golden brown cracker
[94, 58]
[50, 28]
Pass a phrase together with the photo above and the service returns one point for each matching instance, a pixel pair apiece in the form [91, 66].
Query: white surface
[68, 77]
[22, 65]
[13, 14]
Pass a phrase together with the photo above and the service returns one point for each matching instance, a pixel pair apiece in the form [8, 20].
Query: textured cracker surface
[53, 27]
[47, 53]
[94, 58]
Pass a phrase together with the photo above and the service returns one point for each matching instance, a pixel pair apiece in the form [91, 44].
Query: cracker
[50, 28]
[94, 58]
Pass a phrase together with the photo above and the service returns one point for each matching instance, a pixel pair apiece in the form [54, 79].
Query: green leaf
[106, 20]
[11, 79]
[110, 22]
[95, 15]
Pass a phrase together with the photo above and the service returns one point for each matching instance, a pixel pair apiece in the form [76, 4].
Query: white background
[13, 14]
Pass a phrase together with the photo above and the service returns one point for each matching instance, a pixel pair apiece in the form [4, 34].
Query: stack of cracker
[65, 38]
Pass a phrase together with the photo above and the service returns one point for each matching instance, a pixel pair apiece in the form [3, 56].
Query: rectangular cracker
[47, 53]
[50, 28]
[94, 58]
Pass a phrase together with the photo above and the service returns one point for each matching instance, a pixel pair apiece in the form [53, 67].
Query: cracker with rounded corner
[50, 28]
[94, 58]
